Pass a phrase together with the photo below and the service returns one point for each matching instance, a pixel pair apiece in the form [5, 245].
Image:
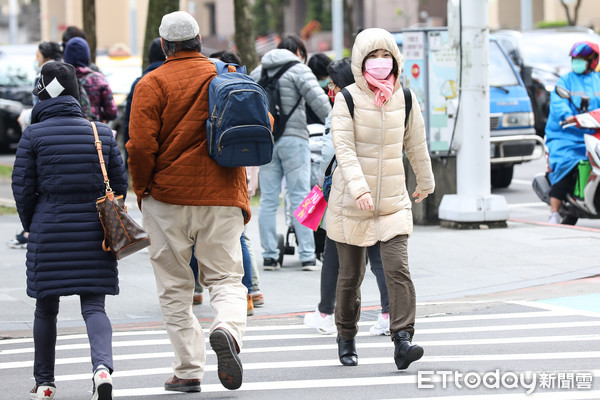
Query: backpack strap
[349, 101]
[265, 80]
[279, 73]
[330, 166]
[407, 101]
[221, 66]
[408, 105]
[350, 104]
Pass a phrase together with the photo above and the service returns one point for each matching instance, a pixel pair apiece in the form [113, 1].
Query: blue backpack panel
[238, 128]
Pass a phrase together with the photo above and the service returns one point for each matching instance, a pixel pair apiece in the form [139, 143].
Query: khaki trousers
[215, 234]
[401, 291]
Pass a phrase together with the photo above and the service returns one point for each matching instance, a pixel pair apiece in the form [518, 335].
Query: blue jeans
[247, 261]
[291, 159]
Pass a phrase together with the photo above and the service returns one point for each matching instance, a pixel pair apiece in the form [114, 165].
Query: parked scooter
[572, 207]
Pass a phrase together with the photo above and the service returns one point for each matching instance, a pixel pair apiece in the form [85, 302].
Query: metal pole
[473, 201]
[474, 120]
[133, 46]
[337, 22]
[13, 21]
[526, 15]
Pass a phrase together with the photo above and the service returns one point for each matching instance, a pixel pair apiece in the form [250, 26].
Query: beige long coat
[369, 151]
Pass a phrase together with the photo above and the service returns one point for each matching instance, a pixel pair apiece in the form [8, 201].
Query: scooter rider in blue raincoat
[566, 147]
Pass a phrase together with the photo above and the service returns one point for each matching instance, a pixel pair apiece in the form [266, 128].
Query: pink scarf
[383, 89]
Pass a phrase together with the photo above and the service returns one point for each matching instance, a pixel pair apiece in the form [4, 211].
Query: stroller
[286, 243]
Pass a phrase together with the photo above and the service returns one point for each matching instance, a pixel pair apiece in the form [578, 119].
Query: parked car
[542, 56]
[512, 135]
[16, 82]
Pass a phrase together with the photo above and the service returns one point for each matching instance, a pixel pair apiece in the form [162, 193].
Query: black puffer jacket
[56, 180]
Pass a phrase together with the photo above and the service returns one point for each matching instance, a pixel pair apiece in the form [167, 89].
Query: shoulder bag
[122, 235]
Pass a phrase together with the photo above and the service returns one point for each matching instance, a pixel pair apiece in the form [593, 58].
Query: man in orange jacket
[189, 201]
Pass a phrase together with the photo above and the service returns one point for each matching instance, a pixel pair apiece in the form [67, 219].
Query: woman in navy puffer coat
[56, 181]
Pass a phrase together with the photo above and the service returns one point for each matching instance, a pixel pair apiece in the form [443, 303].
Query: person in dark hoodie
[55, 182]
[102, 104]
[70, 33]
[156, 58]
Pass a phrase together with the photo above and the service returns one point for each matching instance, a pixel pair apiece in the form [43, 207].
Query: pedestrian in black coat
[56, 181]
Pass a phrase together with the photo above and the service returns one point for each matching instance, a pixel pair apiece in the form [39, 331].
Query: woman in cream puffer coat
[369, 201]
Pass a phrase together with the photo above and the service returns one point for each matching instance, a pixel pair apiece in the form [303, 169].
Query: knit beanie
[77, 52]
[57, 79]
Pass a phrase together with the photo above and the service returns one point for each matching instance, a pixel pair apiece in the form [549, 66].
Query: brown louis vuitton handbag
[122, 235]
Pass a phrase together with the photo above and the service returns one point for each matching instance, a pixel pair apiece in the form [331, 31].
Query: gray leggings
[99, 331]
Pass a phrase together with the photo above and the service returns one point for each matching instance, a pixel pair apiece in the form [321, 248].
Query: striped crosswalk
[554, 352]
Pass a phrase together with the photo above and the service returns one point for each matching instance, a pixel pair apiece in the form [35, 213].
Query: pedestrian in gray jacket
[291, 155]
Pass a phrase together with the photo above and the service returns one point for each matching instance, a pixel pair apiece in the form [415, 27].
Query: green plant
[5, 171]
[7, 210]
[551, 24]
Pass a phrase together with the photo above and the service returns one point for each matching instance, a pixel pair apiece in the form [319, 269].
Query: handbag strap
[98, 144]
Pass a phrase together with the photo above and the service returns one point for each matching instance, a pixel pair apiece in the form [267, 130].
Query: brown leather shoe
[229, 365]
[182, 385]
[197, 298]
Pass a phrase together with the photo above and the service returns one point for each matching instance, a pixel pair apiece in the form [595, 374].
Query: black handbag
[122, 235]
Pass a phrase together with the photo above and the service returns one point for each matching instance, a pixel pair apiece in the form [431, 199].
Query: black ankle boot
[405, 352]
[347, 351]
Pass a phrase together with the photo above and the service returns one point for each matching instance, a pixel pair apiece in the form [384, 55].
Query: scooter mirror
[562, 92]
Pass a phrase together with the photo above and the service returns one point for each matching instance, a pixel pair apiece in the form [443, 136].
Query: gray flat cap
[178, 26]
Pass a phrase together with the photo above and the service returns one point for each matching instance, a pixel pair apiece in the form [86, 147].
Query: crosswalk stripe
[254, 338]
[572, 395]
[424, 320]
[333, 347]
[280, 365]
[386, 344]
[362, 381]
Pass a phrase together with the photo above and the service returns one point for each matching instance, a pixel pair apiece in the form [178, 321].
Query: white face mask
[379, 68]
[36, 66]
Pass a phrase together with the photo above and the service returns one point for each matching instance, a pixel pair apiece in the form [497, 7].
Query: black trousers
[566, 185]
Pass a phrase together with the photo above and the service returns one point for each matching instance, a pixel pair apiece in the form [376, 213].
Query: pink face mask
[379, 68]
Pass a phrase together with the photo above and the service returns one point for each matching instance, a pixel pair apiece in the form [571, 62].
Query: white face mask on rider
[379, 68]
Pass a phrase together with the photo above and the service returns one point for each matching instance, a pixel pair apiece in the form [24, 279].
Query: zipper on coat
[379, 172]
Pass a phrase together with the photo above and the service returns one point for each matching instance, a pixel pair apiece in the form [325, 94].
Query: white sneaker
[45, 390]
[381, 327]
[555, 218]
[102, 389]
[323, 323]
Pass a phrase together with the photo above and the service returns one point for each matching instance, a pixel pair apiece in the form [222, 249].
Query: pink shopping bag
[312, 209]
